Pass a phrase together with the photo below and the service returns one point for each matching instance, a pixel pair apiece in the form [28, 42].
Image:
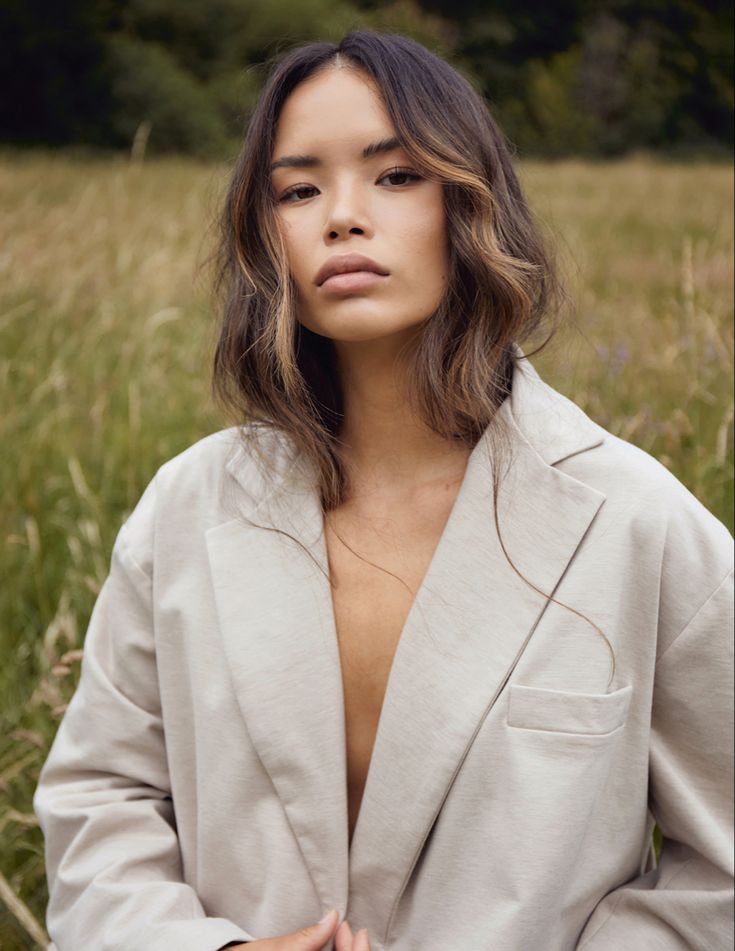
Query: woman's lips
[351, 282]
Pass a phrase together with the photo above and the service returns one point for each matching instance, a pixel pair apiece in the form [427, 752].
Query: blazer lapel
[468, 627]
[274, 608]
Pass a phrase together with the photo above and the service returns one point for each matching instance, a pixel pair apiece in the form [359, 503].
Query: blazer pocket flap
[538, 708]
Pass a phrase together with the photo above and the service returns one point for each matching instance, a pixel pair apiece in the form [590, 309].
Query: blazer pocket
[559, 711]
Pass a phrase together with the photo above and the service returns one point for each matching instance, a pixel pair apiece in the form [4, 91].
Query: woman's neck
[388, 450]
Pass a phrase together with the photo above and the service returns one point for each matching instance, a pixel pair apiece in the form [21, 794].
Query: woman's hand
[344, 940]
[312, 938]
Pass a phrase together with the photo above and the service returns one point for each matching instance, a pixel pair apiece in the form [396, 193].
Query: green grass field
[105, 339]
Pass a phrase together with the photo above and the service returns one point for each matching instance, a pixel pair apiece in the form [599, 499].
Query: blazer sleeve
[103, 797]
[686, 902]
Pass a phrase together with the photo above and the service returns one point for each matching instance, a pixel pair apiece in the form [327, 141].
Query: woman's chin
[352, 325]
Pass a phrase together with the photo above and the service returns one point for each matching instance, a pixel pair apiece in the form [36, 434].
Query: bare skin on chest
[371, 605]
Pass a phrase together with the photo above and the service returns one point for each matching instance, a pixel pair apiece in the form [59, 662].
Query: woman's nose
[347, 215]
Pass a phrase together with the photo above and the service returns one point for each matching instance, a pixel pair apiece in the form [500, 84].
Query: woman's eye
[296, 193]
[396, 177]
[400, 176]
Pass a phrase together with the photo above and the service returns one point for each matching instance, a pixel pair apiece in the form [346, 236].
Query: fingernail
[327, 916]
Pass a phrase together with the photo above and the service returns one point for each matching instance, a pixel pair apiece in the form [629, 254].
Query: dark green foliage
[150, 87]
[588, 77]
[602, 77]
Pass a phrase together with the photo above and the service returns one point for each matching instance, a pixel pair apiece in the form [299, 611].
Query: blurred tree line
[589, 77]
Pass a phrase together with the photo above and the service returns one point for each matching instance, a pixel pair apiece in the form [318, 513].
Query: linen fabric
[195, 793]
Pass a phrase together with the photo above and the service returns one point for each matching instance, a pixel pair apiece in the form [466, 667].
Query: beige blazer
[196, 793]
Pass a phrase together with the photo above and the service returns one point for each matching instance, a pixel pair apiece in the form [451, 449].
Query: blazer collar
[469, 624]
[552, 425]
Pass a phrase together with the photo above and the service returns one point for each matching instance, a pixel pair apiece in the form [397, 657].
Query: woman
[406, 498]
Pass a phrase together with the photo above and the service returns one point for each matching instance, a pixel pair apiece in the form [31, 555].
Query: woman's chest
[376, 569]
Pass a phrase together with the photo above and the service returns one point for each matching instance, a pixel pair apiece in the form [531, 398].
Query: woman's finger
[361, 941]
[344, 939]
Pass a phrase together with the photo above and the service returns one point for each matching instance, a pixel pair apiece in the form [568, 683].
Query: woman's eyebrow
[310, 161]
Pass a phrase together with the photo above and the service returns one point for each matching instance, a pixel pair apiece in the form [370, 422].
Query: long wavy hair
[503, 286]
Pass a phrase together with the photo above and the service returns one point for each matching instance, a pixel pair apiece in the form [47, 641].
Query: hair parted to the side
[503, 286]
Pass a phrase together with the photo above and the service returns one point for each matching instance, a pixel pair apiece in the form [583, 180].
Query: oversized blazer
[196, 794]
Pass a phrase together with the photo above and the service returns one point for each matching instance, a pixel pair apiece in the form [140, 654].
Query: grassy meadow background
[105, 340]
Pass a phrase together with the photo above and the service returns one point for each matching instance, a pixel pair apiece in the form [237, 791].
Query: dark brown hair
[502, 283]
[502, 289]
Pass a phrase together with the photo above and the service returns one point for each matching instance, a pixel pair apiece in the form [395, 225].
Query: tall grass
[105, 338]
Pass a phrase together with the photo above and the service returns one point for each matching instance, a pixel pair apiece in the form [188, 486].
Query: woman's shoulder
[642, 497]
[197, 462]
[650, 522]
[565, 436]
[622, 470]
[193, 490]
[245, 453]
[645, 500]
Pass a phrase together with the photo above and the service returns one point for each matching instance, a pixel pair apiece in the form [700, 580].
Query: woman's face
[338, 195]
